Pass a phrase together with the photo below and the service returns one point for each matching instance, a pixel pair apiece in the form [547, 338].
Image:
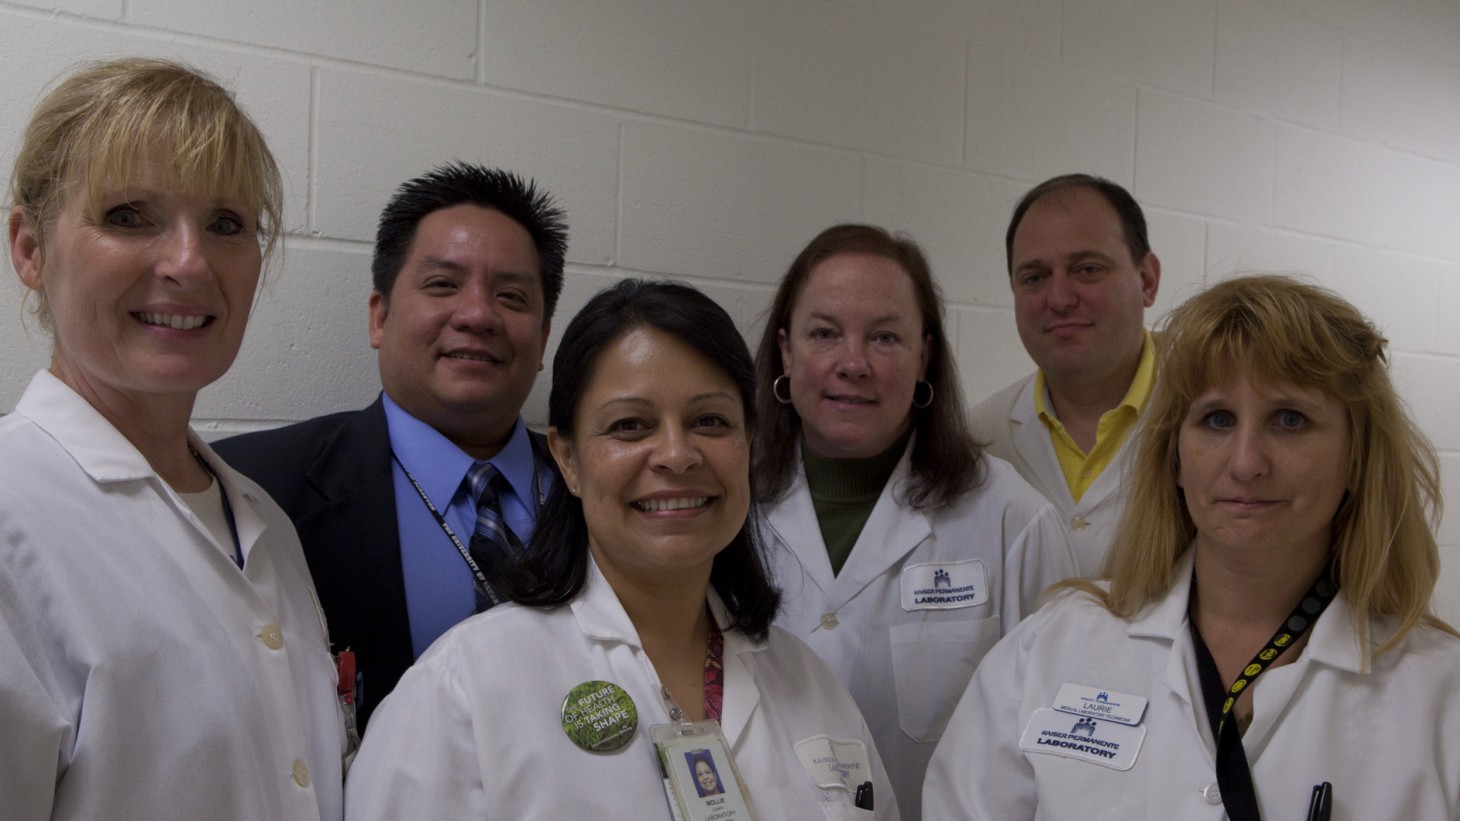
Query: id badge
[700, 778]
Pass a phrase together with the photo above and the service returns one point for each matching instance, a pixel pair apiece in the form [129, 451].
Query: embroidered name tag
[1106, 743]
[834, 763]
[944, 585]
[1094, 702]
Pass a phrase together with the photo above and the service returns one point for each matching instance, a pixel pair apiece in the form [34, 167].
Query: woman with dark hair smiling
[645, 601]
[903, 551]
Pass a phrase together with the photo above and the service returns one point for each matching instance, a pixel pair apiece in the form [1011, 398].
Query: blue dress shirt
[438, 582]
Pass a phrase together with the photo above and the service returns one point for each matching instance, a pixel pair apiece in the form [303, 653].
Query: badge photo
[700, 779]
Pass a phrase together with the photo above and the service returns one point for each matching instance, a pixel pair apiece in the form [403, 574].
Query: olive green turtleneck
[843, 493]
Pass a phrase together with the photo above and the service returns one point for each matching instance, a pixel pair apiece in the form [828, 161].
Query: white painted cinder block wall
[708, 141]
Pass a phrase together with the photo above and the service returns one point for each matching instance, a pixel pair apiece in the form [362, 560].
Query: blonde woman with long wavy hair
[1263, 640]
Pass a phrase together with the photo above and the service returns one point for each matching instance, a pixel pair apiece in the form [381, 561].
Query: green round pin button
[599, 716]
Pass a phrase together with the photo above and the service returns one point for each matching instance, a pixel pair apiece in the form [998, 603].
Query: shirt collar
[1135, 396]
[1333, 642]
[601, 615]
[439, 466]
[97, 446]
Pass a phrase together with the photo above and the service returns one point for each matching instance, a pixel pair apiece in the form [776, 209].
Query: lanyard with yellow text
[1234, 776]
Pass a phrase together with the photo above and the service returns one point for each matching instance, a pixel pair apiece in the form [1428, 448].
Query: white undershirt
[207, 505]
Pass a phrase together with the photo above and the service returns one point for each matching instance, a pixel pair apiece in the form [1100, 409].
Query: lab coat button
[301, 773]
[828, 621]
[271, 636]
[1212, 794]
[1078, 524]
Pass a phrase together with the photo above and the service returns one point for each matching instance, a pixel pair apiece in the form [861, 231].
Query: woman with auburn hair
[1264, 640]
[903, 551]
[162, 654]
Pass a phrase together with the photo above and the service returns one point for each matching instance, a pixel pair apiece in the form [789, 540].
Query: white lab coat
[1388, 739]
[474, 729]
[1008, 423]
[907, 667]
[136, 676]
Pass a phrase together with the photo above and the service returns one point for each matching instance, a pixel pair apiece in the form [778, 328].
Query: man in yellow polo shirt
[1083, 273]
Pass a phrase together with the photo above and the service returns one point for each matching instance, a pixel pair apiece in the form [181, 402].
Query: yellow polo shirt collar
[1082, 469]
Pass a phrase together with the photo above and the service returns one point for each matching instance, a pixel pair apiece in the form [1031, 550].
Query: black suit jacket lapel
[356, 559]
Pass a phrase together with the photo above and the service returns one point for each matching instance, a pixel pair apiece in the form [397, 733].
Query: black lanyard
[1234, 775]
[227, 506]
[476, 569]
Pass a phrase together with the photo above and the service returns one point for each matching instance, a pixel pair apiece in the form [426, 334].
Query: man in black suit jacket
[467, 271]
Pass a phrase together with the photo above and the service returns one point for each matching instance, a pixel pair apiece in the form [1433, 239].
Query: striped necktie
[494, 547]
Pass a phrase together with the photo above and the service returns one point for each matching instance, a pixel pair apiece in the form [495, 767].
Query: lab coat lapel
[1333, 643]
[1112, 479]
[741, 694]
[1031, 442]
[891, 532]
[794, 522]
[1167, 620]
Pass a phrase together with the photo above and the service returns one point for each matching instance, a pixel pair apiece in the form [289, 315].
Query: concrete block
[1447, 590]
[1026, 26]
[1202, 158]
[1273, 62]
[1398, 296]
[274, 92]
[1404, 101]
[848, 79]
[1179, 241]
[27, 346]
[432, 38]
[307, 351]
[1446, 601]
[959, 219]
[1422, 207]
[990, 355]
[97, 9]
[1330, 186]
[1422, 27]
[688, 60]
[1431, 386]
[1146, 42]
[1447, 321]
[706, 204]
[1249, 249]
[376, 132]
[746, 303]
[1032, 117]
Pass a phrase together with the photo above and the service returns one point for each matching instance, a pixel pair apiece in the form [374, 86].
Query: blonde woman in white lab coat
[903, 552]
[1264, 645]
[162, 654]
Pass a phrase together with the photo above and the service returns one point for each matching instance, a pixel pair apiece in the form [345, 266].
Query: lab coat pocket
[932, 662]
[846, 812]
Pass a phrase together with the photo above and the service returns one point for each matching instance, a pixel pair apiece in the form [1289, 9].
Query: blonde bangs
[209, 144]
[1317, 342]
[101, 123]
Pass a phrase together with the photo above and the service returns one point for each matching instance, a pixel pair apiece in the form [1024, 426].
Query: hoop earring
[782, 381]
[925, 403]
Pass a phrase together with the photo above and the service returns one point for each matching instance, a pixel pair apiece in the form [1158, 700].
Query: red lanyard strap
[714, 673]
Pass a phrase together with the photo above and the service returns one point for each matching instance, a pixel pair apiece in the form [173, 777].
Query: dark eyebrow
[432, 261]
[876, 320]
[1089, 254]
